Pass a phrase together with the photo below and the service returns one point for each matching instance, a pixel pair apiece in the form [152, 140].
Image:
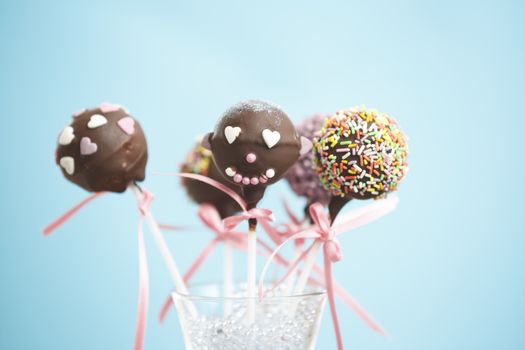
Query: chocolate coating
[253, 145]
[102, 149]
[199, 161]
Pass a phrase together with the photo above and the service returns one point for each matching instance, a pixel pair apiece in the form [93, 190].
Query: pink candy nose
[250, 157]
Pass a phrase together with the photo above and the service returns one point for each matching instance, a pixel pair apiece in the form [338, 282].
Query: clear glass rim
[192, 297]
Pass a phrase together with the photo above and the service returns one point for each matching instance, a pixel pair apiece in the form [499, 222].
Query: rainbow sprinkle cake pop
[359, 154]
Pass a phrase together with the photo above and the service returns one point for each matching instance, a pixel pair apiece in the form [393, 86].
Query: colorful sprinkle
[361, 153]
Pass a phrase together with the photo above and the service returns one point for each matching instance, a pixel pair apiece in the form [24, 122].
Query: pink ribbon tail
[290, 213]
[167, 227]
[271, 232]
[168, 303]
[358, 309]
[200, 260]
[68, 214]
[349, 301]
[142, 312]
[330, 293]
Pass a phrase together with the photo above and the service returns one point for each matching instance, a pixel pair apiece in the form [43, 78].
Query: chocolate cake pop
[253, 145]
[359, 153]
[199, 161]
[102, 149]
[301, 176]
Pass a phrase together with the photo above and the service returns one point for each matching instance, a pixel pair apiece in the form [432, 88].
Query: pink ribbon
[331, 249]
[217, 185]
[321, 231]
[347, 299]
[49, 229]
[360, 216]
[255, 213]
[143, 293]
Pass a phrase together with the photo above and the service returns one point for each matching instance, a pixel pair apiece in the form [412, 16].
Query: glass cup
[209, 320]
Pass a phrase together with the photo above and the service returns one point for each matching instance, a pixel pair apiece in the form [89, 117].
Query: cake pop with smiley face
[253, 145]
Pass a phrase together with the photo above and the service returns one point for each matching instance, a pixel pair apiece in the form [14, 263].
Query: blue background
[445, 271]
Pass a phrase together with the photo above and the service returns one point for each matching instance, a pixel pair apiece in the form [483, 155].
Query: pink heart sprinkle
[127, 124]
[106, 107]
[87, 147]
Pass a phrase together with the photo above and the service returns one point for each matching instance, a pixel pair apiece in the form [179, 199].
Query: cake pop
[103, 149]
[253, 145]
[359, 153]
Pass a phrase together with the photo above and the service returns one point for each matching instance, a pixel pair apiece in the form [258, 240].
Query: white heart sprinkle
[230, 172]
[231, 133]
[96, 120]
[271, 137]
[68, 163]
[66, 136]
[270, 173]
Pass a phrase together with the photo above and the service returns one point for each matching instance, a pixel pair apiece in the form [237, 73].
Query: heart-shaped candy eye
[271, 138]
[231, 133]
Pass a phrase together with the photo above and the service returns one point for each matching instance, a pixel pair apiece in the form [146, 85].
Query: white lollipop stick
[252, 271]
[228, 276]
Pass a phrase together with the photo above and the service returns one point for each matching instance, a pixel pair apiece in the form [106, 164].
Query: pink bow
[255, 213]
[321, 220]
[231, 222]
